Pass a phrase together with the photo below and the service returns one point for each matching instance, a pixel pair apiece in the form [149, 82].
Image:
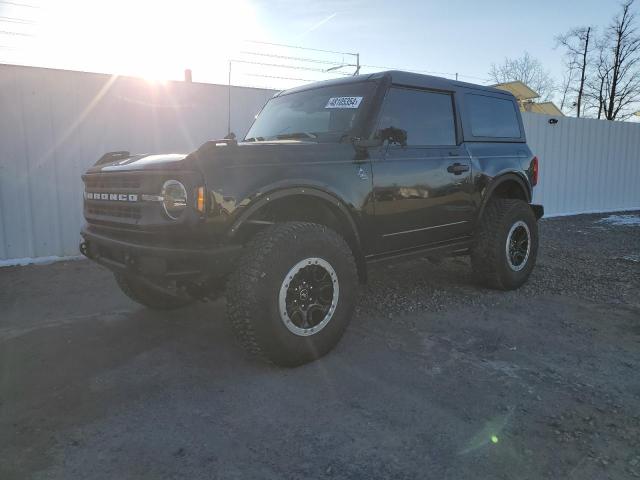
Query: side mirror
[393, 135]
[362, 146]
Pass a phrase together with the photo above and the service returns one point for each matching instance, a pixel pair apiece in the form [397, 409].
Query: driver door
[422, 189]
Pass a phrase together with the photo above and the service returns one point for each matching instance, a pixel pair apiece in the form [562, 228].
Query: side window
[492, 117]
[420, 117]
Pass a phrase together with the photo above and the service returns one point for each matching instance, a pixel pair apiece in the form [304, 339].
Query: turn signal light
[200, 199]
[534, 171]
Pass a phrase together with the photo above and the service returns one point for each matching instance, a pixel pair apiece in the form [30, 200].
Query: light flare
[157, 40]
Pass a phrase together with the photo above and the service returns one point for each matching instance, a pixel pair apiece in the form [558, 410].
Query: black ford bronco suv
[331, 177]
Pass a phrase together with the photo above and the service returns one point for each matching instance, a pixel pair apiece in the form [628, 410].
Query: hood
[277, 152]
[123, 162]
[222, 154]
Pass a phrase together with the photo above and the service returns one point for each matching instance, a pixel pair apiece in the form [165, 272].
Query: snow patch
[622, 220]
[21, 262]
[631, 258]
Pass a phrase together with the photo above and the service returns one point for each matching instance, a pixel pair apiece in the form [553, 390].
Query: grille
[115, 211]
[112, 211]
[108, 182]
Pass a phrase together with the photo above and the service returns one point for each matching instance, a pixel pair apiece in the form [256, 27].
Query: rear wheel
[145, 294]
[293, 293]
[506, 244]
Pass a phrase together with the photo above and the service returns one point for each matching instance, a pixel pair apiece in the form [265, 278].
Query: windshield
[319, 114]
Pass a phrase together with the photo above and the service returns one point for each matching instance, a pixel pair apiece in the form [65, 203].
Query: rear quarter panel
[490, 161]
[493, 158]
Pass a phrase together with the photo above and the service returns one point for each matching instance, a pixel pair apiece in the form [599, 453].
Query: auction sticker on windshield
[344, 102]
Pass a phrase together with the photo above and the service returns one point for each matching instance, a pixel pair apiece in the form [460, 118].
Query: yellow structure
[526, 96]
[547, 108]
[520, 90]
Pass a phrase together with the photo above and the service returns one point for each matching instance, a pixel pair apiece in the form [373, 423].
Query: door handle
[457, 168]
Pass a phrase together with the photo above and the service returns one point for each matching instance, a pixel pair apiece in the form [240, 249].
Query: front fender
[264, 198]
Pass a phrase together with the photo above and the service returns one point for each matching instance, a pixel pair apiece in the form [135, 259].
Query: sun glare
[152, 39]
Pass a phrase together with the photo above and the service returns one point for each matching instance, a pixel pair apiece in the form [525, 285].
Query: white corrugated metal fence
[586, 165]
[55, 123]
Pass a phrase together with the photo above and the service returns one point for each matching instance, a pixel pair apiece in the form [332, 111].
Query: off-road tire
[253, 292]
[489, 259]
[147, 296]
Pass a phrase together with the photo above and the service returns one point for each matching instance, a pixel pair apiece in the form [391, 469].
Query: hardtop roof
[397, 77]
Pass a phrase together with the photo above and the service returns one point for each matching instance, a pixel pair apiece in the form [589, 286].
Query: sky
[159, 39]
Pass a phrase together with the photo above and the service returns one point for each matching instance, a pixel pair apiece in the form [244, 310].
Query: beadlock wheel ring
[518, 246]
[308, 296]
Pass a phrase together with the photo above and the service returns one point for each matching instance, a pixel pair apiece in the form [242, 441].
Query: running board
[450, 249]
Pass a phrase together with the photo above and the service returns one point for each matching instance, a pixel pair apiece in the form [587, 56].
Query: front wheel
[506, 244]
[293, 293]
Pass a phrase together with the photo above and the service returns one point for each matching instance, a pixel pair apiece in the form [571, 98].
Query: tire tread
[249, 271]
[487, 250]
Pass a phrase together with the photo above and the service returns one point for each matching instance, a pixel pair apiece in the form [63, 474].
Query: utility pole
[229, 102]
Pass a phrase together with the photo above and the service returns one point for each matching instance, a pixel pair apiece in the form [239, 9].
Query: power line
[6, 32]
[279, 65]
[329, 63]
[325, 62]
[277, 77]
[285, 57]
[300, 48]
[17, 4]
[17, 20]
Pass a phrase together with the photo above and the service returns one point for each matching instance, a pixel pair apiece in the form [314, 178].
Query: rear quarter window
[492, 117]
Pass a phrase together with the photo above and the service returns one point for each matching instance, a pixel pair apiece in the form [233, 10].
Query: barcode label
[344, 102]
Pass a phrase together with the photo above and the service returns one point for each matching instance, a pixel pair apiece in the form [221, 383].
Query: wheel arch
[301, 204]
[506, 185]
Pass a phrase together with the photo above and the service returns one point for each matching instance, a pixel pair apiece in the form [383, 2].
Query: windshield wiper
[254, 139]
[294, 135]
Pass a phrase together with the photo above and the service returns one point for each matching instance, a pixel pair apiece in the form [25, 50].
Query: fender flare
[268, 197]
[499, 180]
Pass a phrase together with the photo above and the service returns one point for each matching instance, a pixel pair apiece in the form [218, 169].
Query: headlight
[174, 198]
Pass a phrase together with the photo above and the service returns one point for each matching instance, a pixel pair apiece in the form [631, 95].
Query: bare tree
[598, 83]
[567, 80]
[576, 45]
[526, 69]
[620, 65]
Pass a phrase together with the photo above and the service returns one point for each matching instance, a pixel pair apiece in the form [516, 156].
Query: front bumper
[160, 262]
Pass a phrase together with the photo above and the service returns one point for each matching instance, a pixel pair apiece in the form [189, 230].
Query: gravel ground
[436, 377]
[581, 256]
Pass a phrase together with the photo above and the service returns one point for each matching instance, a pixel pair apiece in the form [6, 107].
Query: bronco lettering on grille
[114, 197]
